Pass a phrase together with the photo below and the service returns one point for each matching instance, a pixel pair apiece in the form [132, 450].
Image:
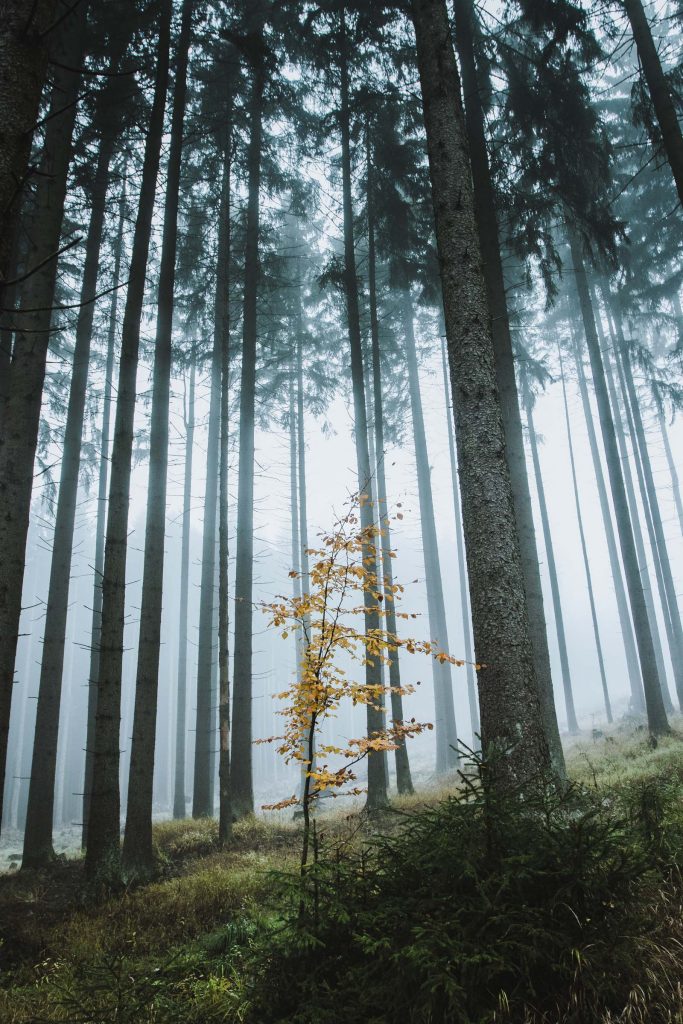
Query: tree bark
[475, 724]
[675, 483]
[656, 713]
[103, 850]
[181, 718]
[446, 732]
[404, 782]
[100, 526]
[137, 843]
[21, 415]
[660, 93]
[242, 765]
[584, 550]
[572, 723]
[25, 37]
[38, 849]
[489, 238]
[511, 717]
[377, 791]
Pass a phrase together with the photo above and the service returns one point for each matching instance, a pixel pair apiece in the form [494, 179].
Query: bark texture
[511, 718]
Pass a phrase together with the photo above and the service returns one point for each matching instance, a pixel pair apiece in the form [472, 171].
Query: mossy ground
[173, 950]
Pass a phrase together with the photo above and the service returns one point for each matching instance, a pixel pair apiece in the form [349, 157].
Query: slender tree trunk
[462, 566]
[489, 238]
[660, 92]
[584, 550]
[656, 712]
[404, 782]
[100, 527]
[572, 723]
[202, 799]
[181, 719]
[650, 499]
[637, 695]
[225, 787]
[242, 768]
[635, 512]
[137, 842]
[675, 484]
[103, 850]
[38, 835]
[377, 790]
[21, 416]
[446, 733]
[24, 40]
[511, 715]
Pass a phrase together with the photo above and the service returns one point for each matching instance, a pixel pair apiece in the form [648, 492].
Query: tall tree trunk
[572, 723]
[635, 512]
[137, 842]
[650, 499]
[462, 566]
[103, 850]
[660, 92]
[489, 239]
[377, 790]
[202, 798]
[242, 769]
[446, 733]
[675, 484]
[404, 782]
[656, 713]
[21, 415]
[101, 522]
[181, 718]
[584, 549]
[25, 35]
[38, 849]
[637, 695]
[511, 715]
[225, 785]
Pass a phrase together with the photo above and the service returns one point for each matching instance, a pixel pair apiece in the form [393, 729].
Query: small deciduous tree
[343, 573]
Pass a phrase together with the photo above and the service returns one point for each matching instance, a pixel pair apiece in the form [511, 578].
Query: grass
[181, 948]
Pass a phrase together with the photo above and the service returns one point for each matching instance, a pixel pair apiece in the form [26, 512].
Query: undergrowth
[460, 912]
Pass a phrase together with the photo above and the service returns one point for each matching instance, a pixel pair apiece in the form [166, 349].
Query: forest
[341, 524]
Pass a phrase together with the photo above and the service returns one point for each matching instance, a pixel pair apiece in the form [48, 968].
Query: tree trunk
[38, 835]
[660, 93]
[489, 239]
[242, 769]
[572, 723]
[25, 36]
[377, 790]
[103, 850]
[446, 733]
[181, 719]
[202, 798]
[100, 527]
[404, 782]
[650, 500]
[511, 717]
[27, 373]
[137, 843]
[656, 713]
[637, 695]
[584, 549]
[462, 567]
[225, 787]
[675, 484]
[635, 513]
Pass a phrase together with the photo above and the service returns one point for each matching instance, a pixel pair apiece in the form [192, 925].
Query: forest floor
[162, 951]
